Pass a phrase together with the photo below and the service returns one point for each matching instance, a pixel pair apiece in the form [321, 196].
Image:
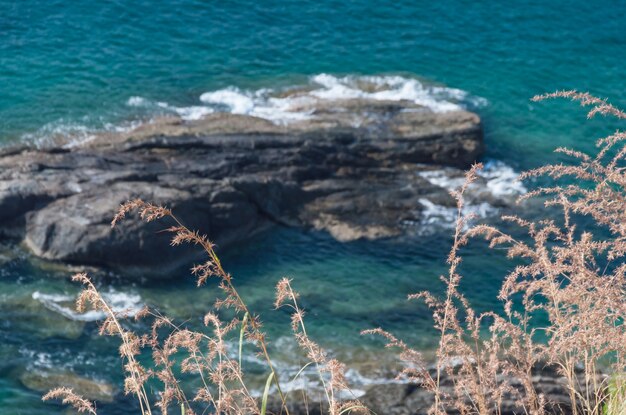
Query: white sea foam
[499, 178]
[71, 134]
[392, 88]
[260, 104]
[137, 102]
[265, 103]
[66, 359]
[36, 359]
[295, 104]
[433, 214]
[69, 131]
[190, 113]
[448, 179]
[502, 180]
[127, 303]
[281, 106]
[496, 182]
[235, 100]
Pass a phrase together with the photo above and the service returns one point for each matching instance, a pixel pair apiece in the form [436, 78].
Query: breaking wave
[279, 105]
[497, 182]
[126, 303]
[295, 103]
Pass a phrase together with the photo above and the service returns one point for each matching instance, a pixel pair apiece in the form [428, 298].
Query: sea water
[73, 69]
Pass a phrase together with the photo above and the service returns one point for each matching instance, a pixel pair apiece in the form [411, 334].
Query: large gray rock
[350, 170]
[413, 399]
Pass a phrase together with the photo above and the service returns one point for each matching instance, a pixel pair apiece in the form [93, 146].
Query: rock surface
[411, 399]
[349, 170]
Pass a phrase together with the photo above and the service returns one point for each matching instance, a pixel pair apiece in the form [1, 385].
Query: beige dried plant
[331, 372]
[68, 397]
[187, 352]
[574, 274]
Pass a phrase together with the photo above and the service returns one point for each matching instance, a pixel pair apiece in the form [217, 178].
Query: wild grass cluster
[562, 307]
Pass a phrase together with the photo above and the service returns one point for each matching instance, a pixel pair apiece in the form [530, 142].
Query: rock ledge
[349, 170]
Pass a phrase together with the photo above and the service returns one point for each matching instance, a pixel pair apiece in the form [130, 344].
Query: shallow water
[345, 288]
[75, 68]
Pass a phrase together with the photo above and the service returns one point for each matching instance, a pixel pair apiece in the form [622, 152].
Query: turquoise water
[76, 64]
[345, 288]
[82, 66]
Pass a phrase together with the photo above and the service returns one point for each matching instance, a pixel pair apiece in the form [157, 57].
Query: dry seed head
[282, 292]
[68, 397]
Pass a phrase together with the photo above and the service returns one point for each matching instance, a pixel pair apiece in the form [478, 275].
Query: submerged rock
[26, 314]
[350, 169]
[43, 381]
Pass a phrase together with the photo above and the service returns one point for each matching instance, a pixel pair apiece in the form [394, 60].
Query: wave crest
[298, 102]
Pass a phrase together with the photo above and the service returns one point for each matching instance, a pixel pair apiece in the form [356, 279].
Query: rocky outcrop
[412, 399]
[350, 169]
[396, 398]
